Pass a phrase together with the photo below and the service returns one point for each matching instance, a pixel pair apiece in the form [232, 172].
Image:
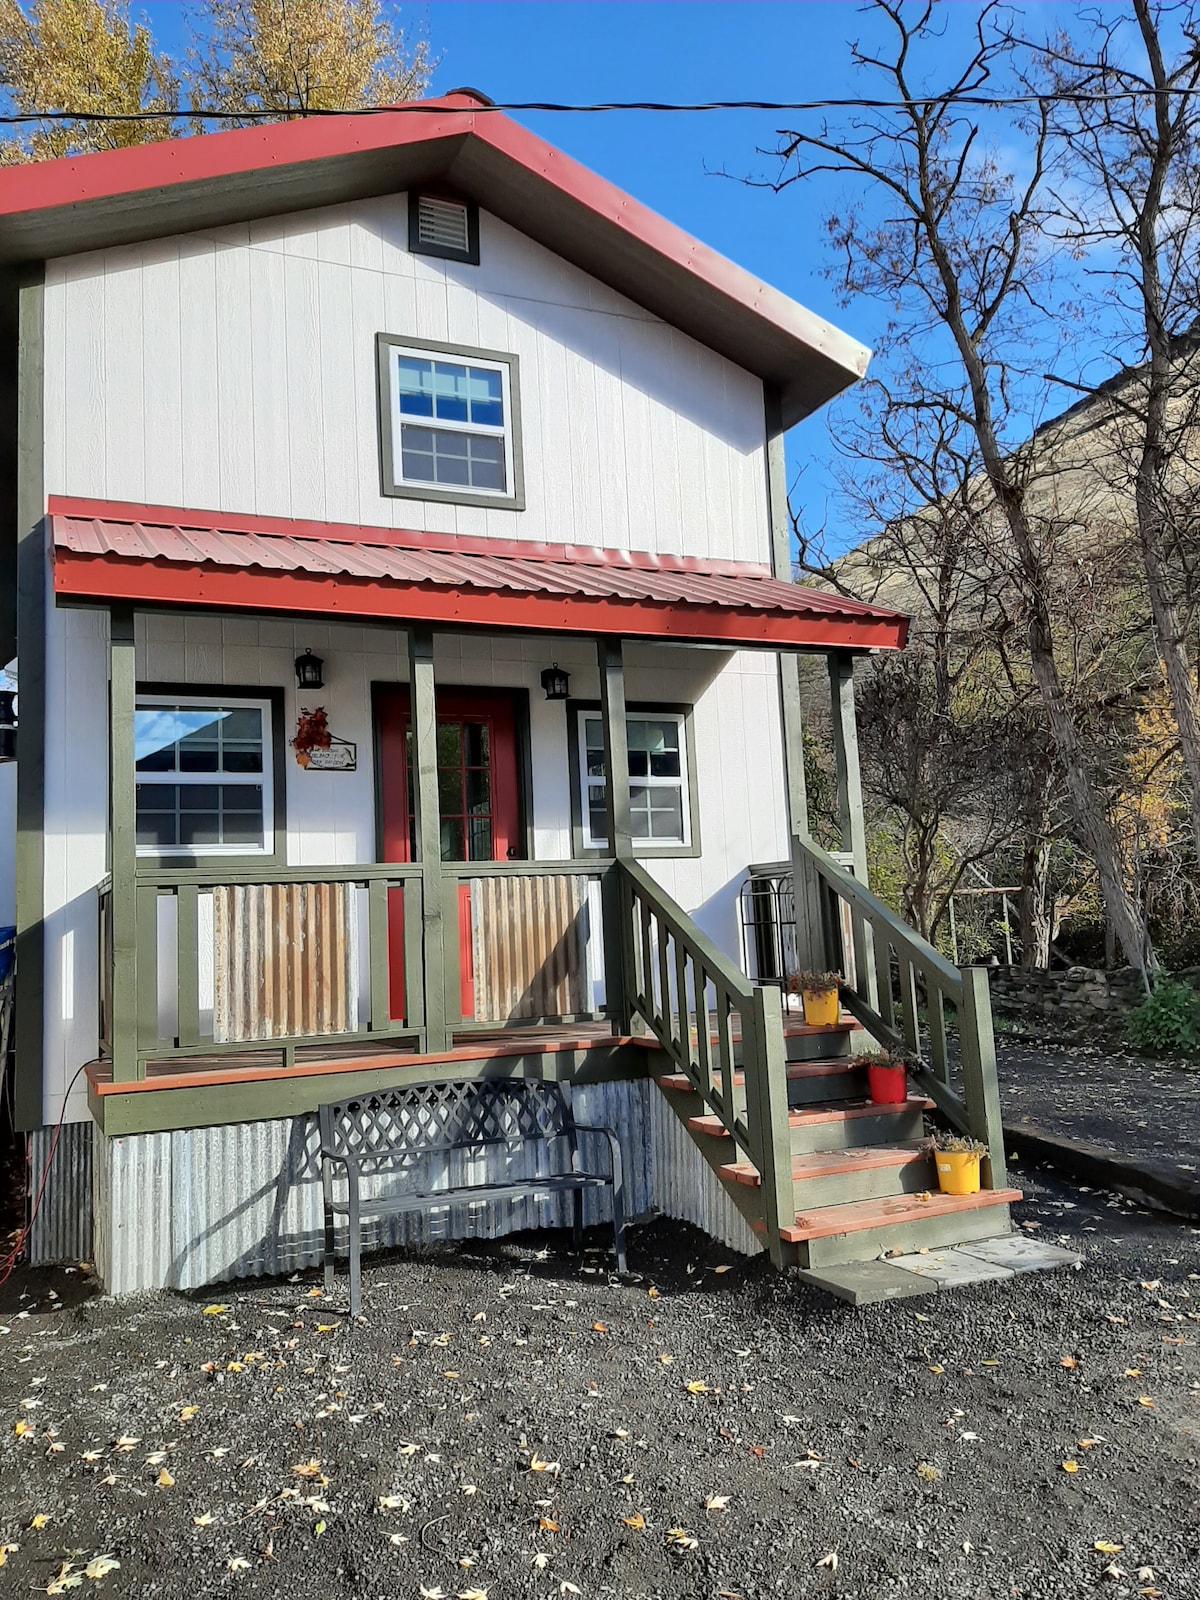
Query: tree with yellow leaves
[293, 57]
[84, 56]
[248, 61]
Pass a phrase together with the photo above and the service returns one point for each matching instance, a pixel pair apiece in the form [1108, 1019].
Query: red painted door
[479, 809]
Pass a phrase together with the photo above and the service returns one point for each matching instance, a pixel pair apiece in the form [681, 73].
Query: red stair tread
[801, 1116]
[857, 1216]
[829, 1163]
[795, 1070]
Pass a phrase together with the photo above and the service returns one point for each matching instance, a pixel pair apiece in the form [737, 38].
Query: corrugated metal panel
[203, 1205]
[686, 1186]
[700, 585]
[62, 1228]
[283, 960]
[529, 945]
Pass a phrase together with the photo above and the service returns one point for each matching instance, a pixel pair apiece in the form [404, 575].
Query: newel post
[981, 1088]
[618, 925]
[122, 845]
[427, 820]
[769, 1087]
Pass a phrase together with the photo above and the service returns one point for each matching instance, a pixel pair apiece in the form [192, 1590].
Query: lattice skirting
[204, 1205]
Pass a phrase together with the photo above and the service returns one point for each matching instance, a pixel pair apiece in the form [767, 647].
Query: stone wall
[1073, 997]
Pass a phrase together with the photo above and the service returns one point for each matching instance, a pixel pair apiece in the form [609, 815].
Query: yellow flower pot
[820, 1007]
[958, 1171]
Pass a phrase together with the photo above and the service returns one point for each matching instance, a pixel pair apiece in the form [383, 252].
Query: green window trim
[152, 860]
[577, 710]
[389, 348]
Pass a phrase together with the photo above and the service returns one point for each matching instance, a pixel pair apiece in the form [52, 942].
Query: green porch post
[30, 617]
[618, 927]
[122, 842]
[851, 819]
[427, 818]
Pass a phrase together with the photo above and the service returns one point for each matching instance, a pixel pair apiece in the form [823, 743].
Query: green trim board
[642, 850]
[388, 485]
[10, 346]
[32, 565]
[159, 1110]
[277, 698]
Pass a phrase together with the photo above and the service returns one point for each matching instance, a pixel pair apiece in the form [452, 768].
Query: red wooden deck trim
[858, 1216]
[487, 1050]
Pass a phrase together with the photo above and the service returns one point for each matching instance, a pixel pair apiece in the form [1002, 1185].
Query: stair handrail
[671, 966]
[867, 992]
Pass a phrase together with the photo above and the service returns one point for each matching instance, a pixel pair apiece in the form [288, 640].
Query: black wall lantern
[556, 682]
[309, 671]
[8, 726]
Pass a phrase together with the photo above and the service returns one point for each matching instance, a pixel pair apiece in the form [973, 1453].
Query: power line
[220, 114]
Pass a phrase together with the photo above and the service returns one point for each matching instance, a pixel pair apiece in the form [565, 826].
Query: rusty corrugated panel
[283, 960]
[62, 1228]
[530, 946]
[451, 569]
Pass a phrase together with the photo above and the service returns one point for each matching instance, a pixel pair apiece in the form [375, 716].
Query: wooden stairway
[863, 1184]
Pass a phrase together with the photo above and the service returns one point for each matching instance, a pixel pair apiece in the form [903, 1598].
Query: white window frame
[451, 358]
[683, 783]
[264, 779]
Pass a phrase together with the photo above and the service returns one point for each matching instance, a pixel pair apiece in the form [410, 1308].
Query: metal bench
[412, 1148]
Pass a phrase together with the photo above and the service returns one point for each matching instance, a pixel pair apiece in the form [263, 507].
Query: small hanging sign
[319, 750]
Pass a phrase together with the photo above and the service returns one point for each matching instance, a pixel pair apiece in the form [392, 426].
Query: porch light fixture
[8, 726]
[556, 682]
[308, 671]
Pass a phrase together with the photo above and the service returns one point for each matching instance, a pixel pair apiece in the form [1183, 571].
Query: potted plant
[818, 992]
[887, 1076]
[956, 1157]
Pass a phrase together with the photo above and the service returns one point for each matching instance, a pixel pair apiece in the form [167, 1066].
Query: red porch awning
[159, 556]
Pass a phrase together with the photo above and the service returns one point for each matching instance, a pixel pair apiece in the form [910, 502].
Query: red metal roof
[199, 559]
[79, 203]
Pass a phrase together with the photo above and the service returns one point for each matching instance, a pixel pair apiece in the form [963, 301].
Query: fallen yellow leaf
[1145, 1400]
[308, 1469]
[39, 1519]
[100, 1567]
[637, 1520]
[188, 1413]
[1070, 1466]
[1069, 1361]
[164, 1479]
[1106, 1547]
[22, 1428]
[214, 1311]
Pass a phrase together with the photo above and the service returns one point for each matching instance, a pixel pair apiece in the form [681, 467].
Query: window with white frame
[449, 423]
[203, 776]
[659, 798]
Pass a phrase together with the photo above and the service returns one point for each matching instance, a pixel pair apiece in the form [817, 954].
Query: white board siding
[331, 815]
[235, 371]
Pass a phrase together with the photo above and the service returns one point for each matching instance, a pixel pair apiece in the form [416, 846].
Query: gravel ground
[1136, 1107]
[507, 1423]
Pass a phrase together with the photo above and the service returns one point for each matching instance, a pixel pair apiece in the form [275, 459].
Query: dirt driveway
[510, 1425]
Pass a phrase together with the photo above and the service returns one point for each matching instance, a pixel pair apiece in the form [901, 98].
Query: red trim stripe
[243, 589]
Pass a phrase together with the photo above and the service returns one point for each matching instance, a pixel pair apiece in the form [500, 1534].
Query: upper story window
[449, 423]
[441, 225]
[204, 776]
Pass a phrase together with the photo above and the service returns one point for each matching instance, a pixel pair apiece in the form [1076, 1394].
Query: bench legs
[618, 1203]
[327, 1196]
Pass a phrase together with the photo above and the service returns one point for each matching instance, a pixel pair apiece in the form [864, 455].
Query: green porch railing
[712, 1022]
[886, 967]
[253, 958]
[284, 957]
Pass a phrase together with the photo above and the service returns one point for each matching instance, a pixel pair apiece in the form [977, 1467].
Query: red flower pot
[888, 1085]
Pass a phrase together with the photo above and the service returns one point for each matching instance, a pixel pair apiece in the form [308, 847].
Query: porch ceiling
[160, 556]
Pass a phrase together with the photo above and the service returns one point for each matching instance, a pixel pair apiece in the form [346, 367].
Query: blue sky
[677, 50]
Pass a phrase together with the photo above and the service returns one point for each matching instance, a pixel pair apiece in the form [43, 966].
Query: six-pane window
[451, 423]
[659, 809]
[203, 777]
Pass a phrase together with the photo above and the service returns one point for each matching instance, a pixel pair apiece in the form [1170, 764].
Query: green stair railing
[886, 967]
[712, 1021]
